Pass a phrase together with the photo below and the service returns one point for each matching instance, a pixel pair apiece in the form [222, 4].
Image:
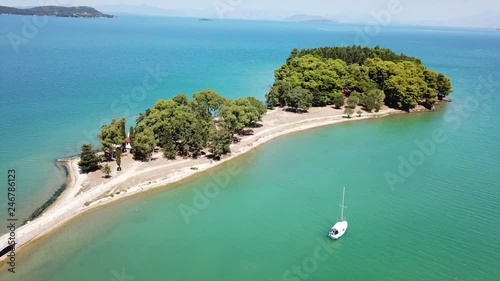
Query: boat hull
[338, 230]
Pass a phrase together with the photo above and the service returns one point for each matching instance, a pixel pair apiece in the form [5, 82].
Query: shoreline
[75, 200]
[64, 164]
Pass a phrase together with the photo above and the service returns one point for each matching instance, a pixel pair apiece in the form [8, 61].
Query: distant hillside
[309, 18]
[56, 11]
[122, 9]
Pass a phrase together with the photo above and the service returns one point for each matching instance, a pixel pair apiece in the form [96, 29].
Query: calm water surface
[270, 221]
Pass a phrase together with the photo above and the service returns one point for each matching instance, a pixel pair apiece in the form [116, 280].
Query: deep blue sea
[70, 76]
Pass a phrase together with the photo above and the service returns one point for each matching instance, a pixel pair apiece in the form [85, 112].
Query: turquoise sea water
[269, 222]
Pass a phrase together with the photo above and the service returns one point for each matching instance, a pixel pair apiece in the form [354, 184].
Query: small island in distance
[56, 11]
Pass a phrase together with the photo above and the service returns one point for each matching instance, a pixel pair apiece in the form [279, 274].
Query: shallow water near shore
[440, 223]
[264, 226]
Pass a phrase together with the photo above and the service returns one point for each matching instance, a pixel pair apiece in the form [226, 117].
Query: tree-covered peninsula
[208, 123]
[373, 76]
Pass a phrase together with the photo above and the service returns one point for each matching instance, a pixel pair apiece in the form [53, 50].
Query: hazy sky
[412, 9]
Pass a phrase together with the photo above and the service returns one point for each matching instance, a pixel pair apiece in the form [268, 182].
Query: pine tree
[119, 159]
[106, 170]
[220, 141]
[89, 160]
[170, 150]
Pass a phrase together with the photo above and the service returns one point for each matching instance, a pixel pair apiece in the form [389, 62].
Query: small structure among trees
[128, 143]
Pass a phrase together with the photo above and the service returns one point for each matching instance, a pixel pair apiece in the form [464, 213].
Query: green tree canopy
[337, 99]
[89, 160]
[354, 54]
[299, 99]
[444, 87]
[181, 99]
[144, 143]
[241, 113]
[112, 135]
[189, 132]
[170, 149]
[186, 127]
[235, 117]
[118, 157]
[325, 71]
[131, 131]
[277, 94]
[373, 100]
[258, 105]
[106, 170]
[220, 141]
[353, 100]
[209, 102]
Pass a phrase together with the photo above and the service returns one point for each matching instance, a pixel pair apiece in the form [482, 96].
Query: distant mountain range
[55, 11]
[485, 20]
[246, 14]
[151, 11]
[309, 18]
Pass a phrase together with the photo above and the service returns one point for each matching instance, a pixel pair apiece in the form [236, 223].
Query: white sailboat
[340, 227]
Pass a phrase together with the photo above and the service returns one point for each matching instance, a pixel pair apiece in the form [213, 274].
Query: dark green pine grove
[325, 76]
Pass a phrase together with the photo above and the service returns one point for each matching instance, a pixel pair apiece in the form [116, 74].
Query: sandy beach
[88, 191]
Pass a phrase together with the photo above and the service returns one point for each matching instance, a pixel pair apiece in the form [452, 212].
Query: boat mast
[342, 213]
